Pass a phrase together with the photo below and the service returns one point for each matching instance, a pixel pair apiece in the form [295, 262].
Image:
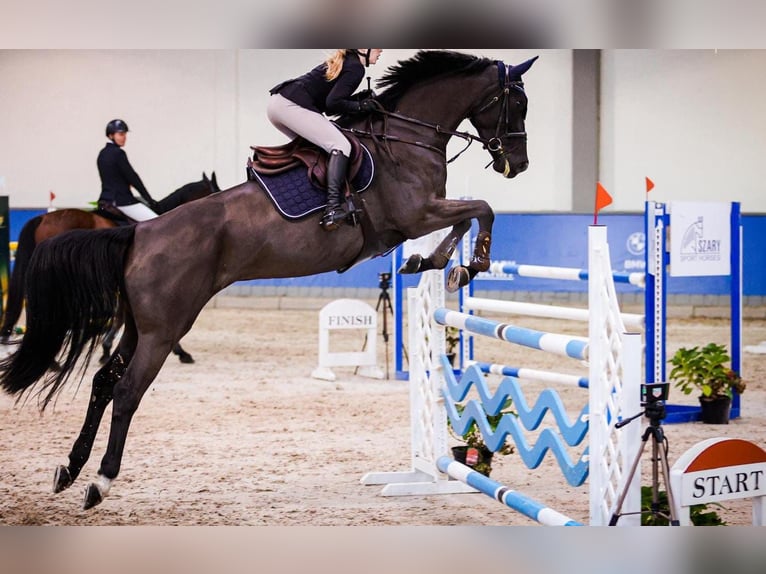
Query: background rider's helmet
[116, 126]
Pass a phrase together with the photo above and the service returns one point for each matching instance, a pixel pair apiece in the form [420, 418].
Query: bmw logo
[636, 243]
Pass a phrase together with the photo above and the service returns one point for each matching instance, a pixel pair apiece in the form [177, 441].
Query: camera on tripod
[384, 281]
[653, 392]
[653, 397]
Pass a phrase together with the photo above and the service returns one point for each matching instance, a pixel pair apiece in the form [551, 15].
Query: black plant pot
[715, 411]
[474, 457]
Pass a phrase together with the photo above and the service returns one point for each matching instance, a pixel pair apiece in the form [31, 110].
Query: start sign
[720, 469]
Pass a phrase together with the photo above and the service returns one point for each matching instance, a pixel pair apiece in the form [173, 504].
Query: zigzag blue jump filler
[490, 404]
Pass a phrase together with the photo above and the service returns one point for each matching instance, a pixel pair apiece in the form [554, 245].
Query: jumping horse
[165, 270]
[50, 224]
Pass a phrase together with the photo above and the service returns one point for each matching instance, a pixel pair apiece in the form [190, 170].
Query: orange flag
[649, 185]
[53, 195]
[602, 200]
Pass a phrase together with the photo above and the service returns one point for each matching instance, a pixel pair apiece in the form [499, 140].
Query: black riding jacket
[117, 176]
[315, 92]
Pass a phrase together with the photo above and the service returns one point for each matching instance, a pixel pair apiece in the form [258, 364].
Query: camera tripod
[383, 305]
[655, 412]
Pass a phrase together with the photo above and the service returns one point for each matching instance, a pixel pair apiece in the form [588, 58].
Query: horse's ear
[204, 177]
[214, 181]
[517, 71]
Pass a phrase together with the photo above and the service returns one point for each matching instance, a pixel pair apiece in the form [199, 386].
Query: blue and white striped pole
[526, 374]
[566, 345]
[565, 273]
[512, 499]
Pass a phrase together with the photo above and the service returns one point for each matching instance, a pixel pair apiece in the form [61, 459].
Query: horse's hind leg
[183, 356]
[108, 341]
[111, 334]
[101, 395]
[142, 369]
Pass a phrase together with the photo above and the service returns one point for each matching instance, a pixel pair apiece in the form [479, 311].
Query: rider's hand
[369, 105]
[364, 95]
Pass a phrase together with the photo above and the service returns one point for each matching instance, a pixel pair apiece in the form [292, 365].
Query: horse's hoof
[412, 265]
[61, 479]
[458, 277]
[186, 358]
[93, 496]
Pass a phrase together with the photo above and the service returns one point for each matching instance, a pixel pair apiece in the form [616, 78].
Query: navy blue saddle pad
[295, 196]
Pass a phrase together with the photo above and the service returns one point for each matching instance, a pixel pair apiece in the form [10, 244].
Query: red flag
[53, 196]
[602, 200]
[649, 185]
[602, 197]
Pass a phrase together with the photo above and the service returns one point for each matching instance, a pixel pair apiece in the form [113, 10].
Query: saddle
[273, 160]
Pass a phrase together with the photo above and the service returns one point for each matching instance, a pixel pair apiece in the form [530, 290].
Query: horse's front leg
[440, 256]
[100, 397]
[458, 213]
[460, 275]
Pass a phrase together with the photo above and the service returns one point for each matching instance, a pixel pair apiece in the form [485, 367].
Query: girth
[272, 160]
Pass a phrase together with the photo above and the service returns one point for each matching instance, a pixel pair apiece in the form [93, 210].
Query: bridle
[493, 144]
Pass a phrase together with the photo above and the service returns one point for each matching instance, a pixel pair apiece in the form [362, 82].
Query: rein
[493, 144]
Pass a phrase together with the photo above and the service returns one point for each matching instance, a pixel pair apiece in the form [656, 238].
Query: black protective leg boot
[334, 213]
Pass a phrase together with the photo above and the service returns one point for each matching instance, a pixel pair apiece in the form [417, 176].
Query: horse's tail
[15, 298]
[74, 281]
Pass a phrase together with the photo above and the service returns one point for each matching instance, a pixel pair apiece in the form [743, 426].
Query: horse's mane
[424, 66]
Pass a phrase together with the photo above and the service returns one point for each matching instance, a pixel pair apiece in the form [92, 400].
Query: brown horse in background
[50, 224]
[165, 270]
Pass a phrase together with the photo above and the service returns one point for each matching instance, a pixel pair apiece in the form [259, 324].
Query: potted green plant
[705, 370]
[452, 339]
[474, 452]
[699, 514]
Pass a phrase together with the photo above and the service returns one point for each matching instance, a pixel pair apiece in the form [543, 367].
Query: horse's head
[190, 192]
[204, 187]
[500, 120]
[199, 189]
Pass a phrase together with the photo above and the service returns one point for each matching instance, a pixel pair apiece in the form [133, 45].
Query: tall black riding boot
[334, 213]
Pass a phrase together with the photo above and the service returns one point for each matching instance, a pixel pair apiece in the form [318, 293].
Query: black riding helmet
[116, 126]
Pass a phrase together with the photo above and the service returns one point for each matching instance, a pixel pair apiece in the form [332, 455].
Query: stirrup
[333, 217]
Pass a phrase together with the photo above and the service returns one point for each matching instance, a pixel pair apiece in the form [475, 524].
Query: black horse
[50, 224]
[165, 270]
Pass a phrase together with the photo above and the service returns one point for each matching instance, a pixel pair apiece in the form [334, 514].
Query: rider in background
[297, 107]
[117, 177]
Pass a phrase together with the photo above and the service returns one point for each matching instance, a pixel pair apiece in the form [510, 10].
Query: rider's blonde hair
[334, 64]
